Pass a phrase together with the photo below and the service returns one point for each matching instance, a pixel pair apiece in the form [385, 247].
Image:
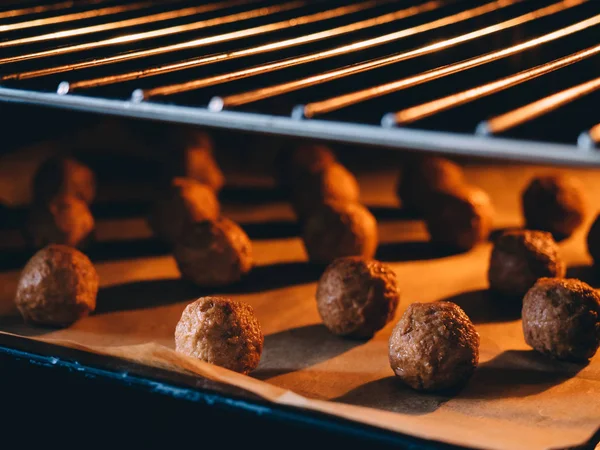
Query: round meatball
[554, 203]
[520, 258]
[461, 219]
[304, 158]
[59, 176]
[424, 176]
[593, 241]
[65, 220]
[434, 346]
[339, 229]
[196, 160]
[57, 287]
[185, 201]
[213, 252]
[561, 318]
[220, 331]
[357, 297]
[312, 189]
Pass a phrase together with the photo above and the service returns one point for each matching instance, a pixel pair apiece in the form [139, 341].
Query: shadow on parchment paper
[153, 293]
[274, 229]
[16, 258]
[411, 251]
[518, 373]
[482, 307]
[145, 294]
[16, 325]
[298, 347]
[588, 274]
[384, 213]
[392, 395]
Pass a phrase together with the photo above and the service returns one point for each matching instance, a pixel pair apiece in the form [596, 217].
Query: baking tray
[377, 184]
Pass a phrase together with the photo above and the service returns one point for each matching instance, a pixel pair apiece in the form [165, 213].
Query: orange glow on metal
[427, 109]
[158, 17]
[99, 12]
[538, 108]
[46, 8]
[136, 37]
[355, 97]
[594, 133]
[272, 46]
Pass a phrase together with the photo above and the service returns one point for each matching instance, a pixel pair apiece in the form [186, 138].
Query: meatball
[57, 176]
[185, 201]
[561, 318]
[213, 252]
[57, 287]
[312, 189]
[460, 219]
[357, 297]
[593, 240]
[220, 331]
[304, 158]
[339, 229]
[555, 204]
[65, 220]
[424, 176]
[195, 160]
[434, 346]
[520, 258]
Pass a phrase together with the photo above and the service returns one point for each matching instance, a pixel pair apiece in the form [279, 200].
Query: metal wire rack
[516, 79]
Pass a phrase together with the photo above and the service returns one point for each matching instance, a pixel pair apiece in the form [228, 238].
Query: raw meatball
[424, 176]
[520, 258]
[220, 331]
[303, 159]
[339, 229]
[57, 287]
[593, 240]
[561, 318]
[357, 297]
[312, 189]
[554, 203]
[461, 219]
[58, 176]
[185, 201]
[195, 160]
[213, 252]
[434, 346]
[65, 220]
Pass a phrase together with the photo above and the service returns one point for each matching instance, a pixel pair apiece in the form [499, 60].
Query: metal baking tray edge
[368, 135]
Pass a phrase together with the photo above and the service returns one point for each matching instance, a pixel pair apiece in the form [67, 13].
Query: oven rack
[507, 79]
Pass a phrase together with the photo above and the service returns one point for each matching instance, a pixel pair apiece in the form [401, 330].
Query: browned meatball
[220, 331]
[561, 318]
[57, 287]
[304, 158]
[195, 159]
[461, 219]
[65, 220]
[424, 176]
[339, 229]
[554, 203]
[213, 252]
[312, 189]
[593, 241]
[434, 346]
[357, 297]
[520, 258]
[57, 176]
[184, 201]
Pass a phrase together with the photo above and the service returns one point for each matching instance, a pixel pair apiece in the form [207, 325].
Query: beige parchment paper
[517, 399]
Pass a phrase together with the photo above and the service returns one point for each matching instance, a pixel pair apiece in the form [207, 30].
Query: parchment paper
[517, 399]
